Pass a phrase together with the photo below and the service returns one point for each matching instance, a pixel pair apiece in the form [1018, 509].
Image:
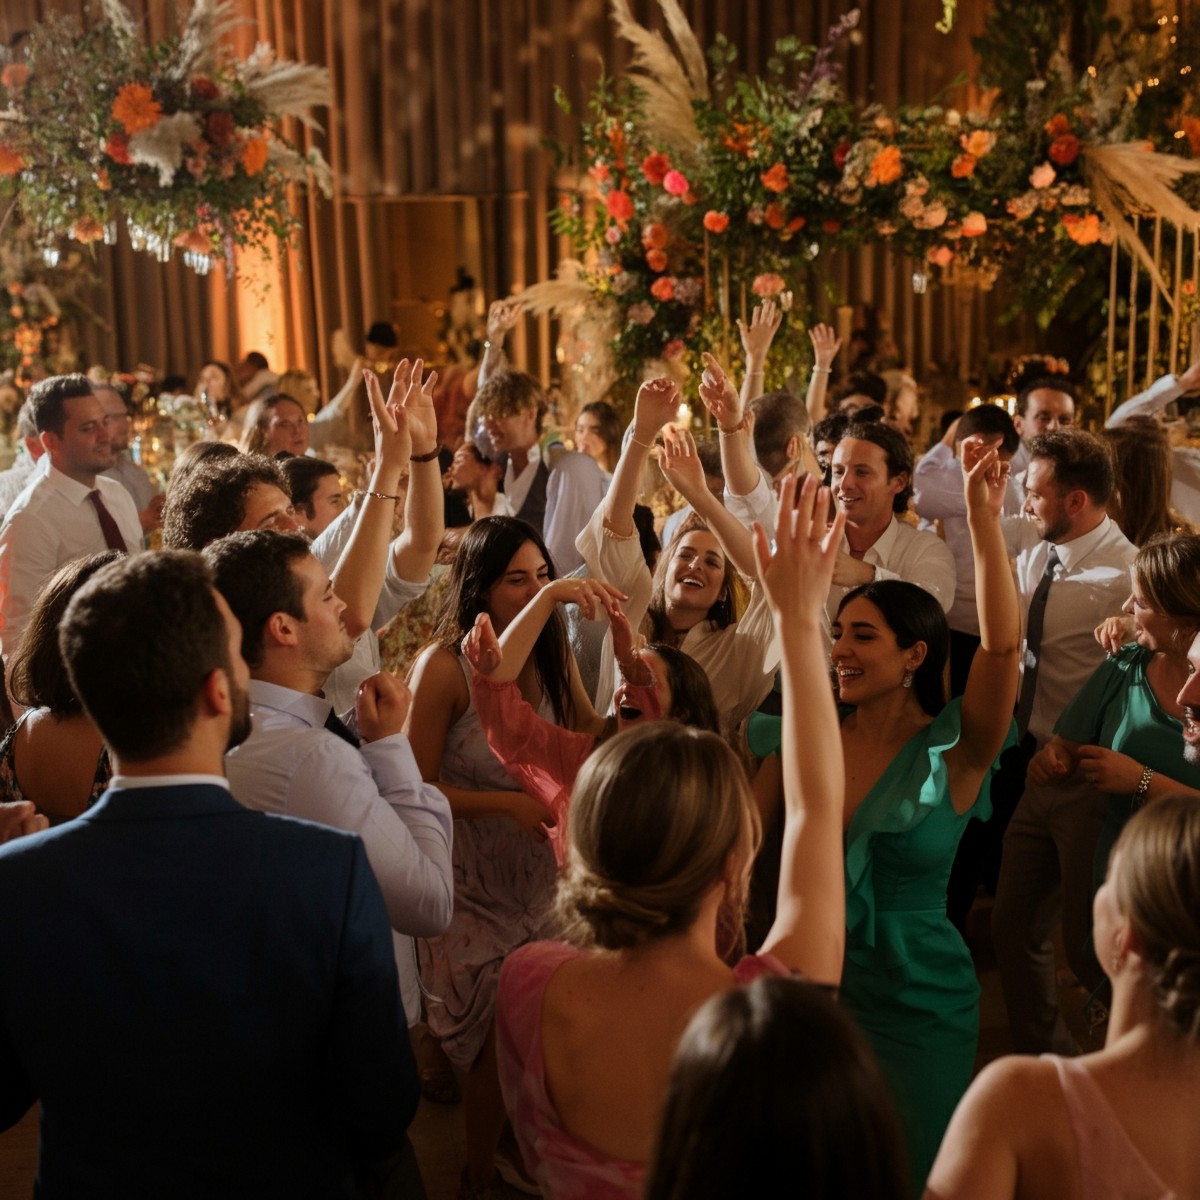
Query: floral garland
[673, 223]
[176, 136]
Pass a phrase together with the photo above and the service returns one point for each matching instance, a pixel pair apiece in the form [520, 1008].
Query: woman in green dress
[917, 769]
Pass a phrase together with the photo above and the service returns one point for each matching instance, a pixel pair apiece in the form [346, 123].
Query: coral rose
[768, 285]
[1043, 176]
[974, 224]
[655, 167]
[655, 236]
[663, 288]
[15, 76]
[941, 256]
[1083, 230]
[775, 217]
[136, 108]
[619, 206]
[963, 167]
[10, 161]
[1064, 150]
[254, 156]
[776, 179]
[796, 224]
[656, 260]
[716, 222]
[886, 167]
[1058, 125]
[675, 182]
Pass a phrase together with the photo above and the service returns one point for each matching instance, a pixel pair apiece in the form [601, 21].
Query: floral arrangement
[702, 187]
[181, 139]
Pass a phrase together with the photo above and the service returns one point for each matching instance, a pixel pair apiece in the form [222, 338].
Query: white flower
[161, 146]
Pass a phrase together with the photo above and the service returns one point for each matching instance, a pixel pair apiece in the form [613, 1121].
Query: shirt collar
[876, 553]
[154, 781]
[72, 489]
[1072, 553]
[312, 710]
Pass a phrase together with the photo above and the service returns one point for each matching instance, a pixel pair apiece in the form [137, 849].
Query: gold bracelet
[644, 445]
[379, 495]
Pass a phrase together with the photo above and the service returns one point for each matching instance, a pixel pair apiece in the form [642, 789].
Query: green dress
[908, 977]
[1116, 708]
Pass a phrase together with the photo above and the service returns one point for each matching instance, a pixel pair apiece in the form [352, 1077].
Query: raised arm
[502, 316]
[756, 342]
[415, 550]
[656, 405]
[684, 472]
[809, 932]
[825, 344]
[722, 400]
[992, 683]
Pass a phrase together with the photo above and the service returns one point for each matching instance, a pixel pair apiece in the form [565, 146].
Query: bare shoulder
[437, 668]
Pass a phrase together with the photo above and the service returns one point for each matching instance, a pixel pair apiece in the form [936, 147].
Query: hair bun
[614, 919]
[1178, 990]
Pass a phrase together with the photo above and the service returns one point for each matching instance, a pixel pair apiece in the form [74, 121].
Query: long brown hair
[1141, 503]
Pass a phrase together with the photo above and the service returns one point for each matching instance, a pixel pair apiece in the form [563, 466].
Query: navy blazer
[202, 997]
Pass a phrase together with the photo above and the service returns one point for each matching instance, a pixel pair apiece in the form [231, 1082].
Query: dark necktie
[112, 535]
[336, 726]
[1033, 642]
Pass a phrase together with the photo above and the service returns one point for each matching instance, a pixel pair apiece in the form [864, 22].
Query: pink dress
[565, 1167]
[1110, 1165]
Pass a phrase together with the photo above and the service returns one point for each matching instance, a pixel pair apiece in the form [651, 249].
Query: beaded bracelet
[1139, 795]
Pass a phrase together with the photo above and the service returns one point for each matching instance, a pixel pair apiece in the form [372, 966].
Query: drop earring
[907, 680]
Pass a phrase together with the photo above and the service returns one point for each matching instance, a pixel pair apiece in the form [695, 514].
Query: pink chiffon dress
[566, 1167]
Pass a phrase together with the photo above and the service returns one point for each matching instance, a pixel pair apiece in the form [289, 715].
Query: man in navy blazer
[202, 997]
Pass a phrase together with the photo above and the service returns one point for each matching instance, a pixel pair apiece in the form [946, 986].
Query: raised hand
[415, 396]
[985, 477]
[592, 596]
[502, 316]
[656, 405]
[719, 395]
[797, 576]
[627, 650]
[825, 344]
[481, 646]
[381, 706]
[681, 464]
[390, 423]
[1113, 632]
[758, 335]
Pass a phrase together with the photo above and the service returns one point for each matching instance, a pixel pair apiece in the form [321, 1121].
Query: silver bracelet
[822, 370]
[1139, 795]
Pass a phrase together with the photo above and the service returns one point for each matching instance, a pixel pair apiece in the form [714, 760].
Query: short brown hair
[1081, 461]
[510, 392]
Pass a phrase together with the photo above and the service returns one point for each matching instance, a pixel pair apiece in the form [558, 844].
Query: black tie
[1033, 642]
[112, 535]
[335, 726]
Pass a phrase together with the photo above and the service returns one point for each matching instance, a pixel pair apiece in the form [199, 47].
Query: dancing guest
[918, 769]
[1120, 1122]
[1141, 502]
[316, 490]
[691, 599]
[663, 833]
[598, 435]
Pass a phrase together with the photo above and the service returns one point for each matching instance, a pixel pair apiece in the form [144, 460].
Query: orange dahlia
[136, 108]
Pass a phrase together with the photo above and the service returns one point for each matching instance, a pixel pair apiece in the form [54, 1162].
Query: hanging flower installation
[177, 137]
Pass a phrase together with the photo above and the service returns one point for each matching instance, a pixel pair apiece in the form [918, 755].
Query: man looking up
[219, 979]
[68, 508]
[302, 761]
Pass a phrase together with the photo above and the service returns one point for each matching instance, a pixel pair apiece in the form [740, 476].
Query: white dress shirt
[938, 480]
[136, 482]
[15, 480]
[1185, 460]
[1090, 583]
[291, 764]
[50, 523]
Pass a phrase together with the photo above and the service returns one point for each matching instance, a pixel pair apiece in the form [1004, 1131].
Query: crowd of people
[661, 853]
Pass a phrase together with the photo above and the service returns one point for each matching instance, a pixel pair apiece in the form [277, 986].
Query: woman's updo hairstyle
[1157, 886]
[660, 813]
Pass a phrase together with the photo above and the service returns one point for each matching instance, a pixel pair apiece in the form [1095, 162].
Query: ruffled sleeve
[1083, 718]
[900, 801]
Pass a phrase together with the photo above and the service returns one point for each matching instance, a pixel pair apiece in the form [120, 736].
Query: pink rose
[767, 285]
[675, 182]
[1043, 176]
[974, 224]
[941, 256]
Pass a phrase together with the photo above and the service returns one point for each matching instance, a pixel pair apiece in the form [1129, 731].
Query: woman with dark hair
[775, 1082]
[692, 599]
[663, 833]
[218, 391]
[504, 868]
[1119, 1123]
[54, 755]
[598, 434]
[1141, 502]
[917, 770]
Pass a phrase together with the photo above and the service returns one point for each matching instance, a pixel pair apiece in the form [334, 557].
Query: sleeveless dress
[566, 1167]
[908, 977]
[1110, 1166]
[10, 789]
[503, 888]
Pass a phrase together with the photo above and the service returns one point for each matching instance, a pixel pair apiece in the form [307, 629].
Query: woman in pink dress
[663, 833]
[1119, 1124]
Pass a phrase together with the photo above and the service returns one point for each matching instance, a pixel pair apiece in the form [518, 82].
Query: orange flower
[87, 229]
[974, 224]
[195, 240]
[1058, 125]
[740, 140]
[1064, 150]
[978, 142]
[1191, 130]
[963, 167]
[776, 179]
[774, 216]
[1083, 230]
[15, 76]
[886, 166]
[796, 224]
[655, 236]
[656, 260]
[136, 108]
[716, 222]
[663, 288]
[254, 156]
[655, 167]
[619, 206]
[10, 161]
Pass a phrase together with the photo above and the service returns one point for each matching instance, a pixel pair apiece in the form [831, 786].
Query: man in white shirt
[1045, 404]
[68, 509]
[29, 450]
[1185, 460]
[1073, 548]
[147, 495]
[301, 761]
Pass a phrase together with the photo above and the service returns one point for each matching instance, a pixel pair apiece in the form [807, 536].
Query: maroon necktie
[112, 535]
